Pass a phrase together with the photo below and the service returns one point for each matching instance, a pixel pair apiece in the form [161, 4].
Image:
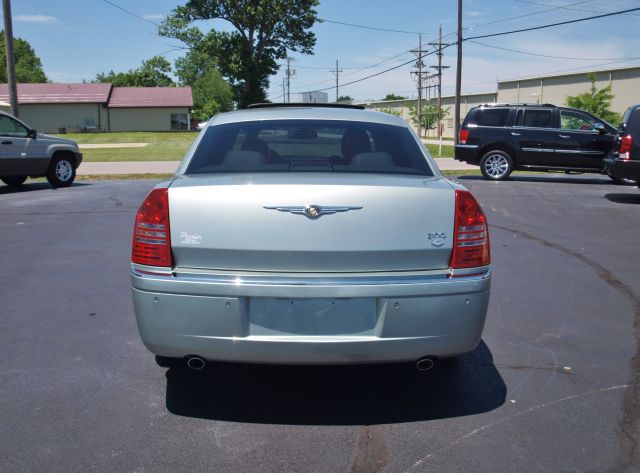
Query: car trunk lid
[257, 222]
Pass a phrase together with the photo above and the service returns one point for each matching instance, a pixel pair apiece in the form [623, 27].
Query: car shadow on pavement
[337, 395]
[35, 186]
[551, 178]
[633, 198]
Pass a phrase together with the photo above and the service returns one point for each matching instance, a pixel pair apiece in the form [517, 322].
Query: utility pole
[284, 91]
[290, 72]
[458, 73]
[11, 64]
[439, 68]
[337, 72]
[420, 77]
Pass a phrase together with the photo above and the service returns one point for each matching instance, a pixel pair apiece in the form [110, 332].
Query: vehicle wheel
[166, 361]
[61, 172]
[496, 165]
[622, 181]
[14, 181]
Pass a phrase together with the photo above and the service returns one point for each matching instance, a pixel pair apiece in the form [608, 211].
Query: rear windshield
[625, 119]
[308, 145]
[490, 117]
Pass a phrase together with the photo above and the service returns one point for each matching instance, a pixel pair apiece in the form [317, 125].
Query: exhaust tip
[195, 363]
[425, 364]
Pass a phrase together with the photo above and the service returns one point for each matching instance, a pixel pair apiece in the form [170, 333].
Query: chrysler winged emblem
[312, 211]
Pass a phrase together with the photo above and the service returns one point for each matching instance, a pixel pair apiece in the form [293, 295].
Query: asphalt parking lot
[553, 387]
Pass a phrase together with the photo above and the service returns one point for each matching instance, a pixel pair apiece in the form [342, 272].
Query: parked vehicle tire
[496, 165]
[14, 181]
[61, 171]
[623, 181]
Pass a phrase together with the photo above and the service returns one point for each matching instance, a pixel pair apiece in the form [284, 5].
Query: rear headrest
[244, 159]
[375, 160]
[354, 142]
[255, 144]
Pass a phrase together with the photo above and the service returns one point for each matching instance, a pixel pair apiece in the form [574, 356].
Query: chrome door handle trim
[513, 133]
[564, 136]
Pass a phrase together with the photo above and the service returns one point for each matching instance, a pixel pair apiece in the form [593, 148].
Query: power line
[131, 13]
[553, 24]
[381, 72]
[479, 25]
[546, 74]
[358, 70]
[567, 7]
[552, 57]
[375, 28]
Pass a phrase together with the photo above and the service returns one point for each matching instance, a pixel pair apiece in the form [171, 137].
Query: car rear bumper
[310, 320]
[626, 169]
[467, 153]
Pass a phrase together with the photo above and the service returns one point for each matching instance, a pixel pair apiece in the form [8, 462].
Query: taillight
[463, 136]
[151, 233]
[625, 146]
[470, 234]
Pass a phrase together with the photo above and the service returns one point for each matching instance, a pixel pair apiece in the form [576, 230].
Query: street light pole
[11, 64]
[458, 73]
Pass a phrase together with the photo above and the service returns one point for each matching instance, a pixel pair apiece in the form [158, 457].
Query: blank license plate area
[277, 316]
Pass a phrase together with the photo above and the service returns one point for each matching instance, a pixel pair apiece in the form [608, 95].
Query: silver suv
[24, 152]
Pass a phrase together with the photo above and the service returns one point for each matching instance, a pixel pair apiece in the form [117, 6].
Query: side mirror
[599, 127]
[33, 134]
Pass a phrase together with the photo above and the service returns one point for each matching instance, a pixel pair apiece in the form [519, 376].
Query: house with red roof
[56, 108]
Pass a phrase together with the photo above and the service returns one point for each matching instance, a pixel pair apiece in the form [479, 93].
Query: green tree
[596, 101]
[28, 65]
[394, 97]
[429, 115]
[154, 72]
[264, 32]
[212, 94]
[345, 98]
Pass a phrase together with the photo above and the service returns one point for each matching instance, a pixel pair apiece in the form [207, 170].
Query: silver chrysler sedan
[309, 235]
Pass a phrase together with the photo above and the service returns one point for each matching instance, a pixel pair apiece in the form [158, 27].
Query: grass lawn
[447, 150]
[163, 146]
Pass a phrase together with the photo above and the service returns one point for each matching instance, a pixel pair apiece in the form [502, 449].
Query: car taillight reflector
[151, 233]
[470, 234]
[463, 136]
[625, 146]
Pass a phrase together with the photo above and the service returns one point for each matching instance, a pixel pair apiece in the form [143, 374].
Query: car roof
[498, 105]
[307, 113]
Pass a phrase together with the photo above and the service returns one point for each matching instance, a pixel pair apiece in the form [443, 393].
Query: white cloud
[35, 19]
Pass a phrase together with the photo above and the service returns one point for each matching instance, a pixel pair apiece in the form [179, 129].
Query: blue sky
[76, 39]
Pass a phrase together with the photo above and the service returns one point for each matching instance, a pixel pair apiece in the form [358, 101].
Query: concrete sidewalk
[169, 167]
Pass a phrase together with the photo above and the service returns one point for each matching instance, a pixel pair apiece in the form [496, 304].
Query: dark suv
[503, 137]
[624, 161]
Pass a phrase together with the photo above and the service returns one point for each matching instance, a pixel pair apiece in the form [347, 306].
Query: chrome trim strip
[539, 150]
[577, 151]
[238, 280]
[467, 146]
[141, 271]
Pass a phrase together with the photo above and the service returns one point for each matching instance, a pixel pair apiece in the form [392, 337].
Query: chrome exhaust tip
[425, 364]
[195, 363]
